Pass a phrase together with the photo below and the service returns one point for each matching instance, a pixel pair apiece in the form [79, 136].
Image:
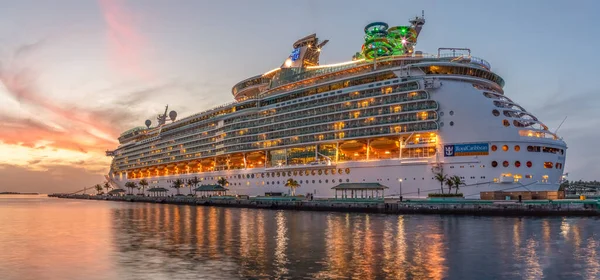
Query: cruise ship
[392, 115]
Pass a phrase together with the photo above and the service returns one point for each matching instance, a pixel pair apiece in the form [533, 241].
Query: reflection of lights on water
[281, 245]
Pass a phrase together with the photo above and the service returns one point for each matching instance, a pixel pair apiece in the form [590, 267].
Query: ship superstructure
[392, 115]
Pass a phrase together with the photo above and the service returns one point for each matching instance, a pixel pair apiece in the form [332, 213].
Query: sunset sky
[74, 74]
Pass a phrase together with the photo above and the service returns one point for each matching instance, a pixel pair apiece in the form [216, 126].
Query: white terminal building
[392, 116]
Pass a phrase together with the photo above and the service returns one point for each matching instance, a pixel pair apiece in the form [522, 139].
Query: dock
[563, 207]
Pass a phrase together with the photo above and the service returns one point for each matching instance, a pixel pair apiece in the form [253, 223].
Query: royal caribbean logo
[456, 150]
[295, 54]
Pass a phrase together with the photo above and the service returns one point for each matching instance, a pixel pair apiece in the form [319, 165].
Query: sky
[74, 74]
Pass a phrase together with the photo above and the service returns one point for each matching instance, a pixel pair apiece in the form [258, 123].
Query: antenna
[561, 123]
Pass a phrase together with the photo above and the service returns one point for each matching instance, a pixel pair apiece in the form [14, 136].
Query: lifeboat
[181, 165]
[255, 156]
[352, 146]
[384, 144]
[236, 158]
[170, 166]
[207, 162]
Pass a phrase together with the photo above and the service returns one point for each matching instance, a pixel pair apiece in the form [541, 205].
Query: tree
[130, 186]
[177, 184]
[292, 184]
[193, 183]
[223, 182]
[441, 177]
[98, 189]
[143, 185]
[107, 186]
[450, 184]
[457, 182]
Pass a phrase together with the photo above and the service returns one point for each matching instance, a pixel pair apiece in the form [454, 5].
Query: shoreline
[566, 207]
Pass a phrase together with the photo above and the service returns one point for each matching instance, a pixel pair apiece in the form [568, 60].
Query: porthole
[451, 123]
[506, 123]
[320, 172]
[326, 171]
[262, 175]
[278, 174]
[517, 148]
[313, 172]
[494, 148]
[326, 181]
[313, 181]
[332, 171]
[320, 181]
[529, 164]
[340, 180]
[273, 174]
[278, 183]
[347, 170]
[495, 112]
[340, 171]
[442, 124]
[517, 163]
[451, 113]
[252, 176]
[268, 175]
[295, 172]
[306, 172]
[300, 181]
[441, 114]
[347, 180]
[505, 148]
[505, 163]
[289, 173]
[494, 163]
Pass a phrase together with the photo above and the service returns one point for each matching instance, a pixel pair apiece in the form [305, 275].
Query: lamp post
[400, 188]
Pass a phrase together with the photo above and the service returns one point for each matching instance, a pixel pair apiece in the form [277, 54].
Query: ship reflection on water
[210, 243]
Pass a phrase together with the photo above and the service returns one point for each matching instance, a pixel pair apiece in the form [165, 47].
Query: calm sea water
[50, 238]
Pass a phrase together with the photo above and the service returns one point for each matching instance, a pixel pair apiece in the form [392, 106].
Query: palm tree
[177, 184]
[450, 183]
[98, 188]
[130, 186]
[441, 177]
[223, 182]
[457, 182]
[143, 185]
[107, 186]
[193, 182]
[292, 184]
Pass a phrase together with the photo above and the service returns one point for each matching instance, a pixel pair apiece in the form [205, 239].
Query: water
[50, 238]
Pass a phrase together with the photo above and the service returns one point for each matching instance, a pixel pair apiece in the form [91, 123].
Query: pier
[563, 207]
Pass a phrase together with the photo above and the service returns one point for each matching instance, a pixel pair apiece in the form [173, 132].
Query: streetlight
[400, 188]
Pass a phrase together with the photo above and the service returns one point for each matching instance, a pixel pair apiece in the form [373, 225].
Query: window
[347, 170]
[506, 123]
[451, 113]
[451, 123]
[548, 164]
[320, 172]
[494, 163]
[529, 164]
[494, 148]
[505, 148]
[517, 163]
[496, 112]
[505, 163]
[517, 148]
[528, 176]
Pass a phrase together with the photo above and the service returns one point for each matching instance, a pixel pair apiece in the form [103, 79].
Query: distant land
[28, 193]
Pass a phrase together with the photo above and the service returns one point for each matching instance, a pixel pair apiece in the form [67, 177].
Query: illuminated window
[529, 164]
[505, 163]
[517, 148]
[494, 148]
[494, 163]
[347, 170]
[496, 112]
[505, 148]
[320, 172]
[332, 171]
[528, 176]
[506, 123]
[548, 164]
[313, 172]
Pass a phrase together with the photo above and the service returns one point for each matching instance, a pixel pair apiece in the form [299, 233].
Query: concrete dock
[566, 207]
